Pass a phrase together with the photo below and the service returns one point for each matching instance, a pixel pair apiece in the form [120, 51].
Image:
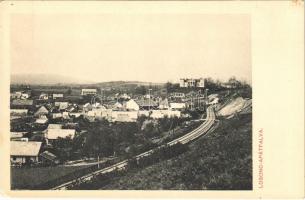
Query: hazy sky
[151, 47]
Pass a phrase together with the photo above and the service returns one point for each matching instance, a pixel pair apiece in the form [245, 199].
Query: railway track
[199, 131]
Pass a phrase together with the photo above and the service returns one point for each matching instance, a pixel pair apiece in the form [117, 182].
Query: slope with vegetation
[221, 160]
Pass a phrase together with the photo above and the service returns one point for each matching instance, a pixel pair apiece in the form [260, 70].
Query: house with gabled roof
[22, 152]
[41, 111]
[131, 105]
[164, 104]
[55, 131]
[147, 104]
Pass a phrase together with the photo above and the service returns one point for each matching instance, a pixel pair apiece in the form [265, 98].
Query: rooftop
[20, 148]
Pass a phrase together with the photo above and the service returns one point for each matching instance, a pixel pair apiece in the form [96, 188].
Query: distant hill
[125, 84]
[45, 79]
[52, 79]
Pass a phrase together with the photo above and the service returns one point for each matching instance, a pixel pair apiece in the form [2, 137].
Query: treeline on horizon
[140, 88]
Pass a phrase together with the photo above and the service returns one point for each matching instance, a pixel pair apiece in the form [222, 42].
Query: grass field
[28, 178]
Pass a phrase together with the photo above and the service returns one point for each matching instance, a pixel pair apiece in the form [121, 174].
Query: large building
[89, 92]
[190, 82]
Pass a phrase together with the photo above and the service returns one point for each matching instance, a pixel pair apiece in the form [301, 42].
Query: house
[55, 133]
[131, 105]
[26, 94]
[147, 104]
[61, 105]
[177, 106]
[124, 116]
[164, 104]
[55, 126]
[24, 152]
[15, 95]
[22, 103]
[44, 96]
[71, 108]
[88, 92]
[191, 82]
[75, 114]
[56, 115]
[41, 111]
[177, 95]
[48, 158]
[65, 115]
[87, 107]
[18, 112]
[157, 114]
[17, 135]
[42, 120]
[57, 96]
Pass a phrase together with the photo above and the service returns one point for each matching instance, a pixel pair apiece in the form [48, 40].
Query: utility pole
[149, 98]
[98, 161]
[206, 98]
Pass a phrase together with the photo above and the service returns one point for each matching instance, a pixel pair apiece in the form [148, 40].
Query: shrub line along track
[199, 131]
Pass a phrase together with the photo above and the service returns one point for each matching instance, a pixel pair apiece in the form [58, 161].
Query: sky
[132, 47]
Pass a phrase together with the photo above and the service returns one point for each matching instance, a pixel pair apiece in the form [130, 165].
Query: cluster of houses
[52, 112]
[129, 110]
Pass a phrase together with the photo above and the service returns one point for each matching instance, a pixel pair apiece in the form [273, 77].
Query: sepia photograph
[152, 99]
[130, 102]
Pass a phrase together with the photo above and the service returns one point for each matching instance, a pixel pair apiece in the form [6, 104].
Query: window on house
[14, 158]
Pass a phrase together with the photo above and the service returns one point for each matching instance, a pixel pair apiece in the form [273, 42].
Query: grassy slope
[221, 160]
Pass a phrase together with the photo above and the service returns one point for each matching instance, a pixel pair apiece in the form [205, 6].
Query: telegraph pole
[206, 98]
[149, 98]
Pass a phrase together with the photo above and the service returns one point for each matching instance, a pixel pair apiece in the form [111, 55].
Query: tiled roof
[146, 102]
[48, 155]
[20, 148]
[60, 133]
[22, 102]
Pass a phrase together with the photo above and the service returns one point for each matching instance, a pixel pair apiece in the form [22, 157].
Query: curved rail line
[194, 134]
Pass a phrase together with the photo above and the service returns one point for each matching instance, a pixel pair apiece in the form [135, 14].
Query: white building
[62, 105]
[156, 114]
[190, 82]
[56, 115]
[132, 105]
[55, 126]
[56, 96]
[89, 92]
[177, 95]
[124, 116]
[177, 106]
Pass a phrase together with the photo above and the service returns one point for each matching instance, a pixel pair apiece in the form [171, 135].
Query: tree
[69, 91]
[171, 87]
[140, 90]
[99, 141]
[63, 148]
